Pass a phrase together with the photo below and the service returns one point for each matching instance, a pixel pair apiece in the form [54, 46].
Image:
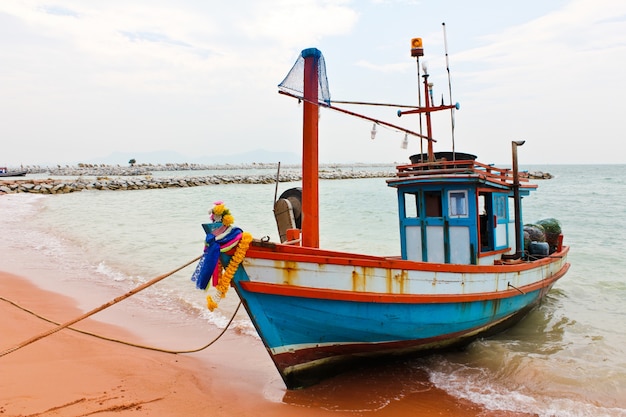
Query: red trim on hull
[368, 297]
[279, 252]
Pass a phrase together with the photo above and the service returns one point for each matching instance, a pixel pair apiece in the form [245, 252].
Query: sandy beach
[73, 374]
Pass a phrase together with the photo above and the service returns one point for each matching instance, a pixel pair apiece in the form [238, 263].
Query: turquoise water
[567, 358]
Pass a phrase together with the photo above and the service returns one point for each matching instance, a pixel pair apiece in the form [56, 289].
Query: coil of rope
[116, 300]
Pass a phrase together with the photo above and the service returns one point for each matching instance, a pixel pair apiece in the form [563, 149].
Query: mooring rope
[124, 342]
[107, 305]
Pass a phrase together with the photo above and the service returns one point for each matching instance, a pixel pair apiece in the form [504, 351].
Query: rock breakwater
[538, 175]
[139, 177]
[149, 169]
[70, 185]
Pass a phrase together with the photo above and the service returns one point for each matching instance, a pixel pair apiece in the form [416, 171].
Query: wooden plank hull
[318, 312]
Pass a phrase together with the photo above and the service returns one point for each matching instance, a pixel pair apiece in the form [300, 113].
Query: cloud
[59, 11]
[551, 80]
[137, 72]
[153, 37]
[386, 68]
[296, 23]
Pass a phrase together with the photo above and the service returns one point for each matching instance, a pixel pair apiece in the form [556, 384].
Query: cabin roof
[455, 172]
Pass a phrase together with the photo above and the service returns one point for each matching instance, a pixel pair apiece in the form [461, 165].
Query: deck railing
[470, 167]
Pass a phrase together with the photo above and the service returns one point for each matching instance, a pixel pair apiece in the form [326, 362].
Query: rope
[123, 342]
[102, 307]
[377, 121]
[364, 103]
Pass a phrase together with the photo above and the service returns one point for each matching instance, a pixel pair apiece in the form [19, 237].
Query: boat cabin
[456, 210]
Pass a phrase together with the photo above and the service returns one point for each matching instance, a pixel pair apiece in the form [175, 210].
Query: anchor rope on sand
[105, 306]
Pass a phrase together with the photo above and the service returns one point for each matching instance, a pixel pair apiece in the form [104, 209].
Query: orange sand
[72, 374]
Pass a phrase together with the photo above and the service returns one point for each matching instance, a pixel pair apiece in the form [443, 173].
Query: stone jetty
[69, 179]
[140, 178]
[539, 175]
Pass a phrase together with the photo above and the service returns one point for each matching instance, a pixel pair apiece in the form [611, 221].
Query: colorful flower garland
[219, 213]
[229, 272]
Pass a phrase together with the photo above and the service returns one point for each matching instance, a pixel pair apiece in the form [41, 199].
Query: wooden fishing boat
[463, 271]
[4, 172]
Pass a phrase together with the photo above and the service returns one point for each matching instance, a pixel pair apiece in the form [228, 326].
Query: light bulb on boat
[373, 132]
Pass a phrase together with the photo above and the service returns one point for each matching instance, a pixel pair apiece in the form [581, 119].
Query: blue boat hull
[312, 338]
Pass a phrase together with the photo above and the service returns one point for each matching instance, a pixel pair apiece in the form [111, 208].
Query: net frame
[293, 83]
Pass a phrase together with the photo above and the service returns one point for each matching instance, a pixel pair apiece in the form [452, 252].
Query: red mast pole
[310, 163]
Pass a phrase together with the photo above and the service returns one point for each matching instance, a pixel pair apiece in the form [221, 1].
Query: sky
[80, 80]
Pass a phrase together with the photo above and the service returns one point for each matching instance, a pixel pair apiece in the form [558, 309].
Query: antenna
[445, 43]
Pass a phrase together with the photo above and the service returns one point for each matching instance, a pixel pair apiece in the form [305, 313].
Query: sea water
[566, 358]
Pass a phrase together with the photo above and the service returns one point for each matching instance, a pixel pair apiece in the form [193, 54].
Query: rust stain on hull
[395, 281]
[289, 271]
[359, 280]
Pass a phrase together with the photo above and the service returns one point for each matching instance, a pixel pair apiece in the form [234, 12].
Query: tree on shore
[132, 162]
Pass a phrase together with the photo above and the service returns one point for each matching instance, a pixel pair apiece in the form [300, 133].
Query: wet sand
[73, 374]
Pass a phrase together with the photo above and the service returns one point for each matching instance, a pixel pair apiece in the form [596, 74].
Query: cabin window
[500, 206]
[457, 203]
[411, 205]
[432, 200]
[481, 204]
[486, 226]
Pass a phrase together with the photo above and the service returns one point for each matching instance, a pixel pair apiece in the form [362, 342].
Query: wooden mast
[310, 163]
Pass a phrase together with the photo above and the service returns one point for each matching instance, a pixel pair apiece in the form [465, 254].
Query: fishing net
[536, 233]
[294, 81]
[533, 233]
[552, 228]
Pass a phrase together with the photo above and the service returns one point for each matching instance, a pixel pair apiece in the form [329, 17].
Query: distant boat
[463, 270]
[4, 172]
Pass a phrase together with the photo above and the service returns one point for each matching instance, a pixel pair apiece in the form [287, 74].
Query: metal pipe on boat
[517, 200]
[277, 181]
[429, 132]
